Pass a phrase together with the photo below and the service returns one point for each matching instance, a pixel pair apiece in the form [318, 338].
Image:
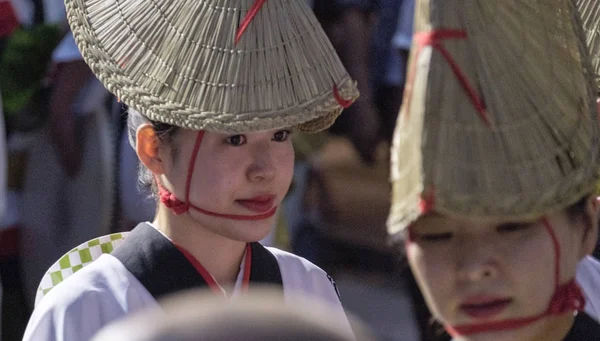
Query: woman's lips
[484, 308]
[259, 204]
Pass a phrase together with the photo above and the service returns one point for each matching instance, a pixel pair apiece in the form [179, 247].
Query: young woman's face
[476, 271]
[244, 175]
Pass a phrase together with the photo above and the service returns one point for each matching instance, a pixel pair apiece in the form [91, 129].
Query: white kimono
[588, 278]
[107, 290]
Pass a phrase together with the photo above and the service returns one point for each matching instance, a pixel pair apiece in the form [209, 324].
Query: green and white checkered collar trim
[76, 259]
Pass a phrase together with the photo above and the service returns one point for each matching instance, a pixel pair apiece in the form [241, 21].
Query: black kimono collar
[162, 269]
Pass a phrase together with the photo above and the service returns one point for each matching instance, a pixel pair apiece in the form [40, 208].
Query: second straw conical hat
[219, 65]
[590, 15]
[499, 116]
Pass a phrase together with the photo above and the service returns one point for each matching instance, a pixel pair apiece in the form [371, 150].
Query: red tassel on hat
[567, 297]
[170, 200]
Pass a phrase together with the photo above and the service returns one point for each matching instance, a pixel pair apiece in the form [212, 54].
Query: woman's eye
[435, 237]
[513, 227]
[281, 135]
[236, 140]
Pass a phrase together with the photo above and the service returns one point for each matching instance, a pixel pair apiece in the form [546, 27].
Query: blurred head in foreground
[260, 315]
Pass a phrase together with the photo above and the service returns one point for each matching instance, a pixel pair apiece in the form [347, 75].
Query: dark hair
[165, 133]
[577, 210]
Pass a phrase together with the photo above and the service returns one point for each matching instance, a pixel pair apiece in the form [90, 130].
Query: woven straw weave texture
[590, 15]
[499, 116]
[178, 62]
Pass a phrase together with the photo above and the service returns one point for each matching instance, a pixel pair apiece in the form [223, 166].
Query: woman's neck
[219, 255]
[557, 327]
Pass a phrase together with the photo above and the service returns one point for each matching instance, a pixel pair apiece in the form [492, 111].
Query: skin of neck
[219, 255]
[551, 328]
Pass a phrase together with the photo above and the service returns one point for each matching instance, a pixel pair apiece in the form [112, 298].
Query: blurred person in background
[389, 83]
[69, 175]
[348, 24]
[373, 38]
[3, 170]
[26, 43]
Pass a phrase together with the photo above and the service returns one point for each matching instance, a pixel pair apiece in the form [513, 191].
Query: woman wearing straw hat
[214, 89]
[494, 165]
[588, 271]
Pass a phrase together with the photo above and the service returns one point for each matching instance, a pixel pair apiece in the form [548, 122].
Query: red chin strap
[180, 207]
[567, 298]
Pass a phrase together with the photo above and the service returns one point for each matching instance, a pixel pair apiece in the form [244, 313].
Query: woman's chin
[253, 231]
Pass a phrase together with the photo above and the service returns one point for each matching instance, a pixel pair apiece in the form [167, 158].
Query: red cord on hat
[248, 19]
[246, 22]
[434, 39]
[178, 206]
[567, 298]
[344, 103]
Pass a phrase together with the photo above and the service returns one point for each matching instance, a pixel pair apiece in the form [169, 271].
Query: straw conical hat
[499, 118]
[219, 65]
[590, 15]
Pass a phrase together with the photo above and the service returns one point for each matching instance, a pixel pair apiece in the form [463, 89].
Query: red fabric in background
[9, 242]
[8, 19]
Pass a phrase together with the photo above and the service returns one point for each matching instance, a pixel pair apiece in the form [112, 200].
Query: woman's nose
[477, 261]
[262, 167]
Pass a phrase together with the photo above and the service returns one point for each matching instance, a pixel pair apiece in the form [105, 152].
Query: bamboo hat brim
[499, 116]
[202, 65]
[590, 16]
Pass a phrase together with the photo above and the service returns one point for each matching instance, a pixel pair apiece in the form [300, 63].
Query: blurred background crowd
[68, 174]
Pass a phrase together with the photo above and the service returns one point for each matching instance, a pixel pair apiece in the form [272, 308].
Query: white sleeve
[59, 317]
[77, 308]
[304, 278]
[588, 278]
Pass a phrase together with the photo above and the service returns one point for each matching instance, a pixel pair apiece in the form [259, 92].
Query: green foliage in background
[24, 62]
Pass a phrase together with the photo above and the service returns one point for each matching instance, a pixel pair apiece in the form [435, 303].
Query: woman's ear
[590, 234]
[147, 149]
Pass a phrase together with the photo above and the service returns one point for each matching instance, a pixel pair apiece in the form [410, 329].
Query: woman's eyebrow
[517, 224]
